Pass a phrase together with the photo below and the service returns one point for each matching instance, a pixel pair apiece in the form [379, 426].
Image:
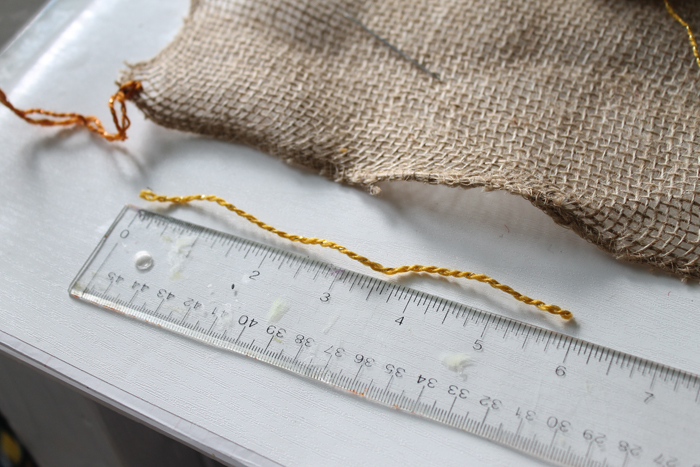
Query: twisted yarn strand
[148, 195]
[121, 121]
[691, 36]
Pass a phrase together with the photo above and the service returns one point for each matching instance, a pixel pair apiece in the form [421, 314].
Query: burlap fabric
[590, 109]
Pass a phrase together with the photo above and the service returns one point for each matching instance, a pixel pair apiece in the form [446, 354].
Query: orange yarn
[92, 123]
[691, 36]
[148, 195]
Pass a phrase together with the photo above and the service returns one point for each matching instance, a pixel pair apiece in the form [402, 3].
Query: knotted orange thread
[121, 122]
[148, 195]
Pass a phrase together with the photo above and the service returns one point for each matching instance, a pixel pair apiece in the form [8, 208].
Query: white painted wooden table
[62, 188]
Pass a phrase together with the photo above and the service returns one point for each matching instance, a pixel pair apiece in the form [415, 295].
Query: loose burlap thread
[587, 108]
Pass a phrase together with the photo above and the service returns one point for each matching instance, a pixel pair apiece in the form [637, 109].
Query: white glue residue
[330, 324]
[225, 317]
[277, 310]
[143, 261]
[457, 362]
[179, 251]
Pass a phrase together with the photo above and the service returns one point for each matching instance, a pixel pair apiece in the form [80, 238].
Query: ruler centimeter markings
[555, 397]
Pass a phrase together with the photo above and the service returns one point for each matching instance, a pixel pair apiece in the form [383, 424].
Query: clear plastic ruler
[552, 396]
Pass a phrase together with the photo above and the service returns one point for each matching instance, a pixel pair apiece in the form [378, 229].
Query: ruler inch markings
[390, 365]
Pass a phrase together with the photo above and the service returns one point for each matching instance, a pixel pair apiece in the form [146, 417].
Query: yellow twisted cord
[148, 195]
[691, 37]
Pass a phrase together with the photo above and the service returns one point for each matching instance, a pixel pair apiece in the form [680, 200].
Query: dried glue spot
[277, 310]
[143, 261]
[178, 253]
[457, 362]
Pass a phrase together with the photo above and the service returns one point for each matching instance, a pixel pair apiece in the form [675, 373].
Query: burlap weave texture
[590, 109]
